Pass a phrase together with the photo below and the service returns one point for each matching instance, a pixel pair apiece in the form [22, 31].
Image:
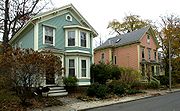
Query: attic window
[68, 17]
[118, 40]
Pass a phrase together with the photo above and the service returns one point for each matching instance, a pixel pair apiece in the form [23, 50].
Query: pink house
[137, 49]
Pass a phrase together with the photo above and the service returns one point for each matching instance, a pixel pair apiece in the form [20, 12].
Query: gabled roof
[125, 39]
[71, 7]
[54, 11]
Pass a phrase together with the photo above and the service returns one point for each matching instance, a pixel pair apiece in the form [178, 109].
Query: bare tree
[15, 13]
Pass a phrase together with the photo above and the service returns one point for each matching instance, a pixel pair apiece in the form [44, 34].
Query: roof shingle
[124, 39]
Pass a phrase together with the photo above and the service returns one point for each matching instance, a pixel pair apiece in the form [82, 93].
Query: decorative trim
[81, 51]
[69, 17]
[83, 83]
[76, 26]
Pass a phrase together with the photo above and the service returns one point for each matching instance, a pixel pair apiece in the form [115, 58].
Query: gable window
[148, 38]
[83, 39]
[83, 68]
[149, 54]
[71, 67]
[154, 55]
[71, 38]
[49, 36]
[142, 52]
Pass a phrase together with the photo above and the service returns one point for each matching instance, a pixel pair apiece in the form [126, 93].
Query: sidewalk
[79, 105]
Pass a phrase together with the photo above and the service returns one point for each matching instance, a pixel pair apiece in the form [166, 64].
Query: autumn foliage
[26, 68]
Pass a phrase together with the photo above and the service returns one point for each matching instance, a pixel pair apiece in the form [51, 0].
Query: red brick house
[137, 49]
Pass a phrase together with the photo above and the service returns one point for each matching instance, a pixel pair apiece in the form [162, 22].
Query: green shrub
[70, 81]
[164, 80]
[91, 91]
[133, 91]
[119, 90]
[129, 76]
[102, 72]
[98, 90]
[153, 85]
[102, 91]
[117, 87]
[137, 85]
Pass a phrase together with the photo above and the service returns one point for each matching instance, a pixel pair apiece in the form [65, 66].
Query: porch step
[56, 90]
[58, 94]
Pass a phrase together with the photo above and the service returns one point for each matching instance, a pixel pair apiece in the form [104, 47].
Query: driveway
[168, 102]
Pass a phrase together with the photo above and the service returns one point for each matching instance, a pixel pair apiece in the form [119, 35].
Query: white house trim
[77, 37]
[87, 67]
[75, 63]
[80, 51]
[77, 26]
[54, 35]
[83, 83]
[36, 37]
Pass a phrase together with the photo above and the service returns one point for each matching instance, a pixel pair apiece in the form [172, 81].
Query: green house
[66, 33]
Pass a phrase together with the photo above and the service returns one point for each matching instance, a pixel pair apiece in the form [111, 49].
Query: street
[169, 102]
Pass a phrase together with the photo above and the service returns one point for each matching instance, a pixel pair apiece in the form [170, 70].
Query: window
[71, 67]
[148, 38]
[154, 55]
[149, 54]
[102, 57]
[83, 39]
[83, 68]
[71, 38]
[114, 59]
[142, 52]
[49, 35]
[68, 18]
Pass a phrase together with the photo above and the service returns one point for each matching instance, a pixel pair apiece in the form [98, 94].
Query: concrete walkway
[79, 105]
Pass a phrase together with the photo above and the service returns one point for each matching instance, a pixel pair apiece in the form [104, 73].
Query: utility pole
[170, 68]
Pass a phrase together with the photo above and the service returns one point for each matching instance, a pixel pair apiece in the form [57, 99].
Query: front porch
[150, 69]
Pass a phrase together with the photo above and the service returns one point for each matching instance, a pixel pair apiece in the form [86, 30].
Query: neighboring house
[66, 33]
[137, 49]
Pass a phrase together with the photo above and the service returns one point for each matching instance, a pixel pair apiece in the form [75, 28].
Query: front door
[50, 77]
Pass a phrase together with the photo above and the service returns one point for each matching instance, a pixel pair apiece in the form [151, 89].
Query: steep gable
[54, 13]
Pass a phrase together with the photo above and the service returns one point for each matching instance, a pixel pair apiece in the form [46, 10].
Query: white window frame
[53, 36]
[87, 67]
[83, 68]
[75, 63]
[66, 37]
[68, 15]
[87, 38]
[72, 67]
